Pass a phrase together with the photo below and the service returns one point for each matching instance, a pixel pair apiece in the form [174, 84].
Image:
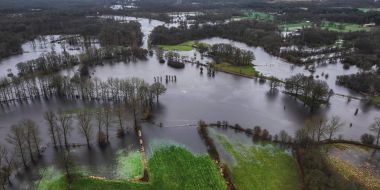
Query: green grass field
[375, 100]
[342, 27]
[186, 46]
[248, 71]
[129, 165]
[295, 26]
[170, 167]
[261, 16]
[365, 10]
[261, 166]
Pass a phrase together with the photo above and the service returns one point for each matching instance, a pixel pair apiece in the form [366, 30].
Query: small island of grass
[245, 71]
[186, 46]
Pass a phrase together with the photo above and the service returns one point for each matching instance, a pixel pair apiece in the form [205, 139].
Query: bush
[120, 132]
[102, 139]
[367, 139]
[176, 64]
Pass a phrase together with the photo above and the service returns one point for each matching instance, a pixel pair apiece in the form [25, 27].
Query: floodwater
[34, 49]
[193, 97]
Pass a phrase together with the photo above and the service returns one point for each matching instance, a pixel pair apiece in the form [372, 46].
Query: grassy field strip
[261, 166]
[245, 71]
[186, 46]
[129, 165]
[343, 27]
[171, 167]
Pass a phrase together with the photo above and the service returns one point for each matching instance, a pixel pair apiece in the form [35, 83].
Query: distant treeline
[248, 31]
[16, 29]
[52, 62]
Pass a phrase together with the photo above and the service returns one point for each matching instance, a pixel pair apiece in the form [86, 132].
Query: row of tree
[52, 62]
[79, 87]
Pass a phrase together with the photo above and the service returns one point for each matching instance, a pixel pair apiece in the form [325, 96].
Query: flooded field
[193, 97]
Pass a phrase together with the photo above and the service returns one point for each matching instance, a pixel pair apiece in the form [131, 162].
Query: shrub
[367, 139]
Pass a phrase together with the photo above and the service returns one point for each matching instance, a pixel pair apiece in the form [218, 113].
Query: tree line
[16, 29]
[52, 62]
[77, 87]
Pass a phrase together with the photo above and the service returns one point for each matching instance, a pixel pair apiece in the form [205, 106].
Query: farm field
[262, 166]
[186, 46]
[170, 167]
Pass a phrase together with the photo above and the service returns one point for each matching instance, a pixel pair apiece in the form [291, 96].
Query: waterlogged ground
[192, 98]
[258, 165]
[360, 160]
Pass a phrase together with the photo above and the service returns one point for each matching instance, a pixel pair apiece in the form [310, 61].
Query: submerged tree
[107, 121]
[375, 127]
[157, 89]
[31, 134]
[65, 125]
[84, 119]
[51, 120]
[312, 93]
[16, 138]
[333, 126]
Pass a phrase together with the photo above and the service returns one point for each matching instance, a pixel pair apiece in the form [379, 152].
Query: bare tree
[27, 125]
[375, 127]
[68, 166]
[32, 134]
[100, 120]
[85, 125]
[16, 138]
[6, 167]
[120, 116]
[107, 121]
[51, 119]
[333, 126]
[65, 125]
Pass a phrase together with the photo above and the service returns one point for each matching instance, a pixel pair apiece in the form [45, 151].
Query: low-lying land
[261, 166]
[355, 163]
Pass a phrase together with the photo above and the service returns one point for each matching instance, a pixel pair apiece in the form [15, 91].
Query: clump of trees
[25, 138]
[230, 54]
[121, 34]
[252, 32]
[317, 129]
[174, 60]
[16, 29]
[312, 93]
[52, 62]
[365, 82]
